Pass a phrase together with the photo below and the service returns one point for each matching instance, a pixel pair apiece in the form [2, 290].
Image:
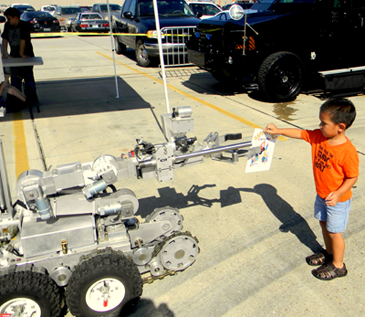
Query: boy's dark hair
[341, 111]
[12, 12]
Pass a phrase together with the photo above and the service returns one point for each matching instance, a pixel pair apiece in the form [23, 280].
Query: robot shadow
[146, 307]
[291, 221]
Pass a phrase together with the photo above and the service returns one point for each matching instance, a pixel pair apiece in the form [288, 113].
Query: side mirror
[128, 15]
[198, 15]
[2, 19]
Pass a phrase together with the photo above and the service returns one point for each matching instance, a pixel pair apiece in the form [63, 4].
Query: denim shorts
[336, 216]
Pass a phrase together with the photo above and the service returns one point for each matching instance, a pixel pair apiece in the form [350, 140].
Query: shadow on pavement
[81, 96]
[212, 87]
[84, 96]
[169, 197]
[146, 307]
[283, 211]
[204, 83]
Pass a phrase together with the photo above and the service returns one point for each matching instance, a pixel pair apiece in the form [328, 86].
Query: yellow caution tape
[62, 34]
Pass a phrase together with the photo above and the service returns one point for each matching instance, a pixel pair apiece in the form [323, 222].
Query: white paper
[261, 162]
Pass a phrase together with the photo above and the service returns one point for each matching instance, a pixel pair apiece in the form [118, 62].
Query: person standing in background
[16, 34]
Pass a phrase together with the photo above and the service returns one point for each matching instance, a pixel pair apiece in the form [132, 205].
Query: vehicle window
[71, 10]
[132, 7]
[90, 16]
[145, 9]
[171, 7]
[112, 7]
[24, 8]
[196, 7]
[39, 14]
[212, 10]
[49, 8]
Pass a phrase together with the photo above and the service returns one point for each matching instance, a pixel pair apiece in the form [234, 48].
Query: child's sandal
[319, 258]
[329, 272]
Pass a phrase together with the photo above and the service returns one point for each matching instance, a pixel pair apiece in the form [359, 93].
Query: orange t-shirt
[332, 164]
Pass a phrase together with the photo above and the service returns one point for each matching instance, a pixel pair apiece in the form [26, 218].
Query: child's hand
[332, 199]
[272, 129]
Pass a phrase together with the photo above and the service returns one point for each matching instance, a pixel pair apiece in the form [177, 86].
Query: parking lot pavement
[254, 230]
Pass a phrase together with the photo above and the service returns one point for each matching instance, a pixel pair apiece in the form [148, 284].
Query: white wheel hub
[105, 295]
[24, 307]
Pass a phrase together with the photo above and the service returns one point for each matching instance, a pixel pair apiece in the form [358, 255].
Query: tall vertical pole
[5, 199]
[160, 50]
[113, 49]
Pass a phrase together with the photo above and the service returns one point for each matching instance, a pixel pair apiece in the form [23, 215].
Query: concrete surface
[255, 230]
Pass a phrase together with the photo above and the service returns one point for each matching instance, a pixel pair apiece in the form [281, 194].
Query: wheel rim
[25, 306]
[143, 53]
[179, 253]
[105, 294]
[285, 80]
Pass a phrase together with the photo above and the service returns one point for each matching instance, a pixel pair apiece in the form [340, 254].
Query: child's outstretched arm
[290, 133]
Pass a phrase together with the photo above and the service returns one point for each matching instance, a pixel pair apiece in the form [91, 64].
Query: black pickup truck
[284, 46]
[137, 19]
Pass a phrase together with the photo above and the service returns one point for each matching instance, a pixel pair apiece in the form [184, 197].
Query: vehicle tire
[102, 283]
[29, 288]
[143, 59]
[120, 48]
[280, 76]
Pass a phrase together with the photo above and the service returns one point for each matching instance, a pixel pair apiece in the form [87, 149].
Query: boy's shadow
[291, 220]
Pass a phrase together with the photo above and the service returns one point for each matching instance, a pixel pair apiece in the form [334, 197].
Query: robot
[72, 235]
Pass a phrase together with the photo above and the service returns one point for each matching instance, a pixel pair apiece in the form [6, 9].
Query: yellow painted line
[205, 103]
[20, 145]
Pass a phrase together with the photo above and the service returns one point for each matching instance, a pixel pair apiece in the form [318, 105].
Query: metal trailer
[71, 234]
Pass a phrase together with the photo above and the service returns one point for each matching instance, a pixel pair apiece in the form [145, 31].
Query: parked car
[177, 23]
[89, 22]
[22, 7]
[204, 10]
[102, 8]
[41, 21]
[3, 7]
[48, 8]
[65, 14]
[243, 5]
[86, 8]
[277, 50]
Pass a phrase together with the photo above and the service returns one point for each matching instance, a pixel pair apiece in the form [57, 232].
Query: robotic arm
[39, 191]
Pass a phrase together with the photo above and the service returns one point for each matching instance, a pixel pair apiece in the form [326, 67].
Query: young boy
[335, 169]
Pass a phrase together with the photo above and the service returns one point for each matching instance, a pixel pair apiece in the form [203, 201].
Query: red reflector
[84, 25]
[106, 24]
